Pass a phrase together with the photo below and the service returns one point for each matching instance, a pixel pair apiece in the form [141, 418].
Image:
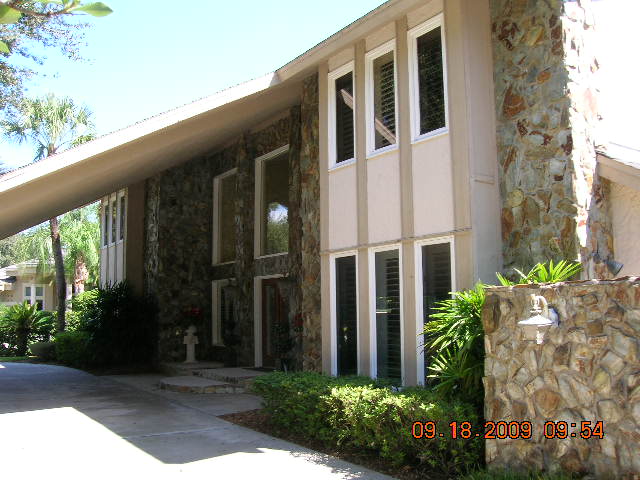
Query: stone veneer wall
[553, 204]
[179, 213]
[587, 369]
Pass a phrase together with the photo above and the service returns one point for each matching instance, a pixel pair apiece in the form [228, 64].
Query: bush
[72, 348]
[21, 324]
[361, 413]
[116, 326]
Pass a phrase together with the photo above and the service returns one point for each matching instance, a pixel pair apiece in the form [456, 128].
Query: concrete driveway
[57, 422]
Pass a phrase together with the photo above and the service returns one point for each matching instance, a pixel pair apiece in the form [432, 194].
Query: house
[316, 213]
[25, 281]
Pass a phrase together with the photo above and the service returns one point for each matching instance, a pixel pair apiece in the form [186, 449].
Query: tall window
[123, 215]
[114, 220]
[387, 314]
[224, 294]
[105, 223]
[381, 102]
[346, 309]
[429, 87]
[437, 281]
[224, 217]
[342, 119]
[274, 203]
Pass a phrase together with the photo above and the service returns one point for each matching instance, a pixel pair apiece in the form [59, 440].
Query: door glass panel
[346, 315]
[268, 323]
[436, 280]
[389, 354]
[227, 216]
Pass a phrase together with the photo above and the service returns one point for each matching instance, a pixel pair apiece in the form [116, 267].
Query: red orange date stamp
[511, 430]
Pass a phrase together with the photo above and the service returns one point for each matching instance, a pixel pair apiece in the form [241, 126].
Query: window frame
[450, 239]
[259, 176]
[216, 321]
[414, 81]
[335, 74]
[370, 58]
[216, 216]
[33, 298]
[373, 336]
[334, 310]
[105, 218]
[121, 236]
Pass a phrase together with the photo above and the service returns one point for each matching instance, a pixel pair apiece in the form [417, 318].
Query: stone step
[181, 368]
[235, 376]
[195, 384]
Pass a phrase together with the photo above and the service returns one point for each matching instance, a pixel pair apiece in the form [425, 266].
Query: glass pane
[431, 81]
[269, 320]
[436, 280]
[226, 322]
[27, 292]
[114, 221]
[344, 118]
[105, 225]
[275, 205]
[387, 271]
[39, 291]
[227, 219]
[384, 100]
[346, 316]
[123, 216]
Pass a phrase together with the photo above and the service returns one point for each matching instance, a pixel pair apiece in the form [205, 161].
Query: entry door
[274, 312]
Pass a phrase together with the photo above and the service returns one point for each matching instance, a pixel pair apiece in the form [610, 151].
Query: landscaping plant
[22, 323]
[547, 272]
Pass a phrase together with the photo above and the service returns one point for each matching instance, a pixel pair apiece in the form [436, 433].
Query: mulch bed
[260, 421]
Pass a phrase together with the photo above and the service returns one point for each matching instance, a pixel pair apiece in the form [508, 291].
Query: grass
[16, 359]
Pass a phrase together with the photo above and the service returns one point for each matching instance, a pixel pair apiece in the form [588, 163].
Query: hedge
[361, 413]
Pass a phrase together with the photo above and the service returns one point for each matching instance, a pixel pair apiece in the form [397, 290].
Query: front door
[274, 313]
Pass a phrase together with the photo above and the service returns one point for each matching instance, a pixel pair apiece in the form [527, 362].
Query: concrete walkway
[57, 422]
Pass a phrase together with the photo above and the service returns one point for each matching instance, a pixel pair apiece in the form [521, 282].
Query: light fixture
[613, 266]
[541, 318]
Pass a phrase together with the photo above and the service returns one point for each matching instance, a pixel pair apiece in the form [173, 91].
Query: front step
[236, 376]
[183, 369]
[194, 384]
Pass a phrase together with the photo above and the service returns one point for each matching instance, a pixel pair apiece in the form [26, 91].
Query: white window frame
[373, 345]
[414, 81]
[113, 198]
[105, 221]
[216, 216]
[334, 316]
[332, 77]
[216, 321]
[257, 316]
[450, 239]
[257, 238]
[33, 297]
[370, 58]
[120, 236]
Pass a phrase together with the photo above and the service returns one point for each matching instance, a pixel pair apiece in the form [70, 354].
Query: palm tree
[51, 125]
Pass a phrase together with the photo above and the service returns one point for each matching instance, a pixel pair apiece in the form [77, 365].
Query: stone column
[243, 267]
[310, 215]
[553, 204]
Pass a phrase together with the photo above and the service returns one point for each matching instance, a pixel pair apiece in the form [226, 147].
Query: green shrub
[367, 414]
[21, 324]
[512, 475]
[73, 349]
[547, 272]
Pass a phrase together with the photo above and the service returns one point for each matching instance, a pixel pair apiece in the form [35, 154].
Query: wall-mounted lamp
[541, 319]
[613, 266]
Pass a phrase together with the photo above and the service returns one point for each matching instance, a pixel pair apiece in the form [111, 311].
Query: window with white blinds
[388, 319]
[341, 115]
[429, 92]
[346, 311]
[381, 97]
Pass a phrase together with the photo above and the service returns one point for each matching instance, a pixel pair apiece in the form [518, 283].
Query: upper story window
[341, 115]
[224, 217]
[123, 215]
[381, 97]
[272, 203]
[428, 82]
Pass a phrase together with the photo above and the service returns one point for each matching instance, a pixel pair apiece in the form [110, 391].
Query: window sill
[431, 135]
[340, 165]
[230, 262]
[382, 151]
[271, 255]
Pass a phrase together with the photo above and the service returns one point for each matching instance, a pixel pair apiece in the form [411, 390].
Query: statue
[191, 340]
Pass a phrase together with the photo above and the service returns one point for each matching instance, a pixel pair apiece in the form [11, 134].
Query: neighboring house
[322, 209]
[24, 281]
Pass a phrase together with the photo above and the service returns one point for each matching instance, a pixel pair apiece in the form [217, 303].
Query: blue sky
[145, 60]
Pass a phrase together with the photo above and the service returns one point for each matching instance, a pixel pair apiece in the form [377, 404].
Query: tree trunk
[81, 275]
[61, 284]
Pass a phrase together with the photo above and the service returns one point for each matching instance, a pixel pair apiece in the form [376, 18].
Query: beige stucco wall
[445, 185]
[625, 212]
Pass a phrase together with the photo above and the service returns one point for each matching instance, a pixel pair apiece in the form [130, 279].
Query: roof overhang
[620, 165]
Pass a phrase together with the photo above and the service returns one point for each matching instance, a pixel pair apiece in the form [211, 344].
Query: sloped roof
[620, 164]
